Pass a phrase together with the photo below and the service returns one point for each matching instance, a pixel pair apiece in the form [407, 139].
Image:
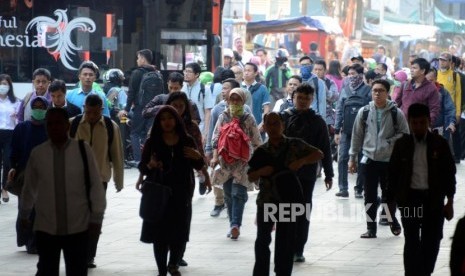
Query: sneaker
[358, 194]
[217, 210]
[202, 188]
[342, 194]
[299, 258]
[235, 232]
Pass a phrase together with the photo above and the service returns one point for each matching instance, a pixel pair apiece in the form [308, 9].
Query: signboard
[109, 43]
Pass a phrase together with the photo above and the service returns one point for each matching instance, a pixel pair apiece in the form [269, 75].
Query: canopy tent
[405, 32]
[297, 24]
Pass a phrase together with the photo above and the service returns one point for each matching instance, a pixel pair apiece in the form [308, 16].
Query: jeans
[74, 251]
[140, 127]
[235, 197]
[343, 166]
[376, 173]
[5, 141]
[284, 246]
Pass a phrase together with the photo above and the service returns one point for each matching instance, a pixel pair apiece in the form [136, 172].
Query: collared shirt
[420, 165]
[203, 101]
[8, 111]
[280, 102]
[78, 97]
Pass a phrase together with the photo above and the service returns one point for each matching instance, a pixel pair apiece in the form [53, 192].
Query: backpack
[151, 85]
[366, 111]
[230, 134]
[108, 126]
[351, 107]
[284, 106]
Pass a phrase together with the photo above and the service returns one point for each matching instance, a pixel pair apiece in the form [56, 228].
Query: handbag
[154, 200]
[16, 185]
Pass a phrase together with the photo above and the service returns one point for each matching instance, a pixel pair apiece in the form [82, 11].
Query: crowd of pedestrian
[252, 124]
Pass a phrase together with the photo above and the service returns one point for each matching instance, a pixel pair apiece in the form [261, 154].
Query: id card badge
[364, 160]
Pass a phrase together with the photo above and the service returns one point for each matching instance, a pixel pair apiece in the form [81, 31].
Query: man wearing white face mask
[9, 106]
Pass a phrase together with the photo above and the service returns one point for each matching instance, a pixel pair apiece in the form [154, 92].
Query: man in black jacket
[302, 122]
[139, 125]
[421, 175]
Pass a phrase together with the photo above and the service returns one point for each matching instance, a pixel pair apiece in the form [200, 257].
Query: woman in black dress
[168, 158]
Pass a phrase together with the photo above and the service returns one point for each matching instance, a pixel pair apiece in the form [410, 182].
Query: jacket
[377, 144]
[134, 85]
[98, 140]
[447, 114]
[319, 100]
[441, 170]
[39, 189]
[426, 94]
[346, 93]
[452, 83]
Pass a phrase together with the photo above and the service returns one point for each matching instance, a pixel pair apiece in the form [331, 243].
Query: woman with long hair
[169, 157]
[334, 73]
[9, 107]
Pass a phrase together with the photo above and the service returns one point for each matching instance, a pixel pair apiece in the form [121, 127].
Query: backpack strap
[108, 126]
[393, 111]
[82, 149]
[27, 98]
[202, 92]
[328, 83]
[315, 81]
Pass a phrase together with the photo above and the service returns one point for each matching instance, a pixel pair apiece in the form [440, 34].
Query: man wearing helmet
[277, 76]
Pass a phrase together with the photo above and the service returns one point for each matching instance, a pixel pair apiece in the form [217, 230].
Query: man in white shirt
[239, 46]
[69, 207]
[199, 94]
[285, 103]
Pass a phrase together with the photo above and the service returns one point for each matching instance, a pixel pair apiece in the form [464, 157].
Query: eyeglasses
[188, 72]
[378, 91]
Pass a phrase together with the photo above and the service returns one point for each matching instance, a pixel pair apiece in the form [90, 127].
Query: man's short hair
[227, 74]
[304, 58]
[372, 75]
[176, 77]
[195, 67]
[261, 50]
[42, 72]
[384, 83]
[320, 62]
[418, 110]
[423, 64]
[147, 54]
[255, 67]
[57, 85]
[233, 82]
[59, 111]
[383, 65]
[304, 88]
[93, 100]
[297, 77]
[357, 68]
[89, 65]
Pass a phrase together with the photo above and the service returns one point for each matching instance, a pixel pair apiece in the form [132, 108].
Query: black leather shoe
[370, 234]
[202, 188]
[91, 265]
[182, 263]
[299, 258]
[342, 194]
[358, 194]
[395, 228]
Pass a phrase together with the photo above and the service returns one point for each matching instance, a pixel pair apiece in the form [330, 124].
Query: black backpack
[316, 88]
[351, 107]
[151, 85]
[108, 126]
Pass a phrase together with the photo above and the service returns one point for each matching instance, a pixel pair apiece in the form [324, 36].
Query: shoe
[217, 210]
[342, 194]
[228, 235]
[358, 194]
[91, 264]
[31, 250]
[133, 163]
[235, 232]
[384, 222]
[395, 228]
[299, 258]
[370, 234]
[182, 263]
[174, 270]
[202, 188]
[5, 196]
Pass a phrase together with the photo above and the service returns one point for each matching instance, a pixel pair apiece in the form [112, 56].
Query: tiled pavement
[334, 247]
